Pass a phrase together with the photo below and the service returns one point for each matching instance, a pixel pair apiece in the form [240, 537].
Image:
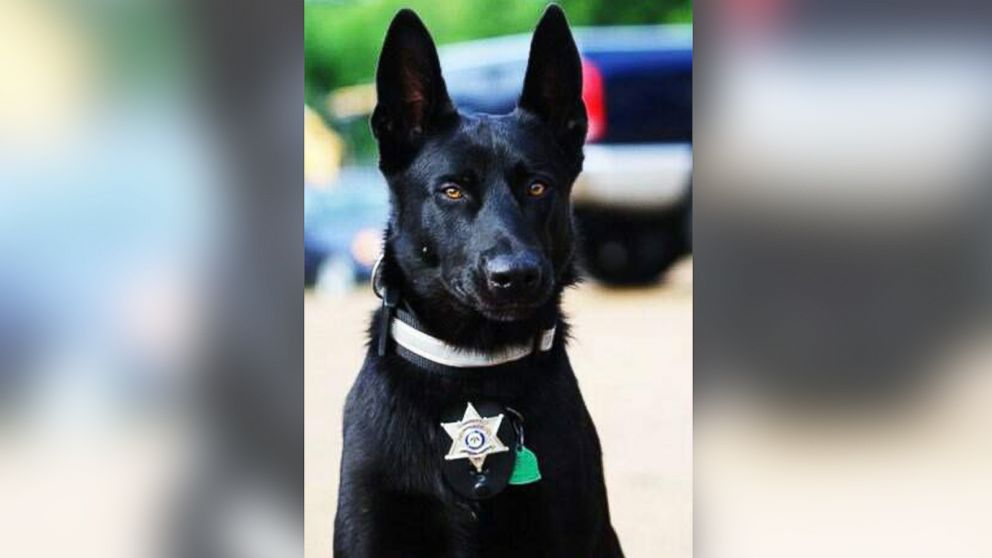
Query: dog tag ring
[525, 466]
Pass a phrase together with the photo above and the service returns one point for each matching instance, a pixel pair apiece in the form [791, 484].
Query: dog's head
[481, 210]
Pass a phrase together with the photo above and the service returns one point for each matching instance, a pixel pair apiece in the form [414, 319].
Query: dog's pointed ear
[412, 97]
[553, 83]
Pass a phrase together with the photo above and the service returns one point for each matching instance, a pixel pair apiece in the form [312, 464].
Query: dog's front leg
[376, 522]
[355, 524]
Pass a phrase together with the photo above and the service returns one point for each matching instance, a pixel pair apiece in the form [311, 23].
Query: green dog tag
[525, 470]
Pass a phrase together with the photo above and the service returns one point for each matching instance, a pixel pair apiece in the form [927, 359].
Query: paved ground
[632, 353]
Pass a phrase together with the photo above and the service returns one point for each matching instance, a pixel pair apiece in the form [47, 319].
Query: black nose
[517, 273]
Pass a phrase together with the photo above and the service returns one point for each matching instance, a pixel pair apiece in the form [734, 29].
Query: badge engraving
[474, 437]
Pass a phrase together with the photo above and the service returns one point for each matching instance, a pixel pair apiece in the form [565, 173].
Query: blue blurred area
[110, 209]
[339, 221]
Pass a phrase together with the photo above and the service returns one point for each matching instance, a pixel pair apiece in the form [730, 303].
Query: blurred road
[632, 353]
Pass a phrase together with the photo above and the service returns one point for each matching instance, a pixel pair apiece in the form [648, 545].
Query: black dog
[466, 377]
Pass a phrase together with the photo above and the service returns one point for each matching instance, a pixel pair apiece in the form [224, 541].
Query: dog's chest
[410, 444]
[424, 432]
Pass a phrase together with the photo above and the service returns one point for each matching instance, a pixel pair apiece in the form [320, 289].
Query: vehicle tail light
[594, 96]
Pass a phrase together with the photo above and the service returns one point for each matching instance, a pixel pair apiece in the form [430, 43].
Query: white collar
[436, 350]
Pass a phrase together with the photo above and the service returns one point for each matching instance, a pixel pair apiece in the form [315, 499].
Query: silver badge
[474, 437]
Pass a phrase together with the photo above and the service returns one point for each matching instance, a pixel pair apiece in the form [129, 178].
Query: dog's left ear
[553, 84]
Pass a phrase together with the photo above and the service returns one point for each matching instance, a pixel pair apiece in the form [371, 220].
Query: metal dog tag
[479, 463]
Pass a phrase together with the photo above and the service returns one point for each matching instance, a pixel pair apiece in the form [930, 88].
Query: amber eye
[453, 192]
[537, 190]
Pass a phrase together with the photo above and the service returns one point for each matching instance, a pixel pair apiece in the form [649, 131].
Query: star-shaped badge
[474, 437]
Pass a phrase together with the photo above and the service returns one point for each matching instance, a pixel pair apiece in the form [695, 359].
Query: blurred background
[632, 319]
[151, 373]
[842, 307]
[153, 229]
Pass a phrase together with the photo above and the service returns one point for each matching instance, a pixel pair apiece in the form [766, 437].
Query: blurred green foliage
[342, 37]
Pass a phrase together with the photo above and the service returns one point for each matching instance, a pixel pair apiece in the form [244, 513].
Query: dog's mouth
[507, 312]
[511, 310]
[498, 311]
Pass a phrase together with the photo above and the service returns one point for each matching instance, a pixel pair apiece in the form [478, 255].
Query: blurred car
[342, 228]
[633, 199]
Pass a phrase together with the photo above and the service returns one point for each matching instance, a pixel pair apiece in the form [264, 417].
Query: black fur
[484, 270]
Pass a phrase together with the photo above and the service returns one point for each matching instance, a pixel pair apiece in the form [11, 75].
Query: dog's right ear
[553, 83]
[412, 97]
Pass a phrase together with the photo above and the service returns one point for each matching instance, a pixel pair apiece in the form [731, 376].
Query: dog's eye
[537, 190]
[452, 192]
